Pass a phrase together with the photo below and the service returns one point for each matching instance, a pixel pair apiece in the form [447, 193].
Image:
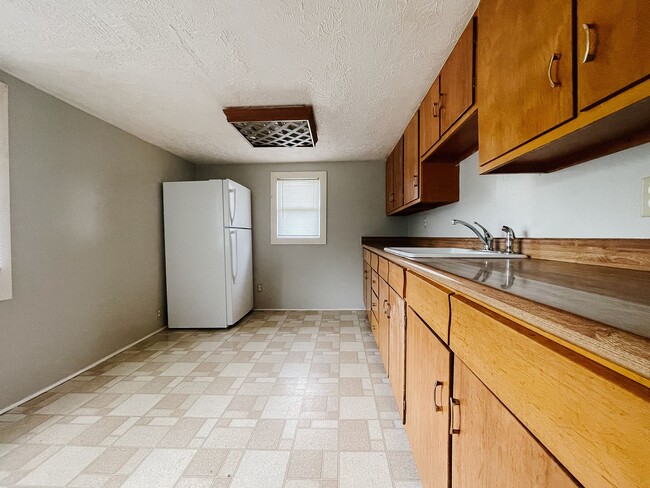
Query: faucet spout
[484, 235]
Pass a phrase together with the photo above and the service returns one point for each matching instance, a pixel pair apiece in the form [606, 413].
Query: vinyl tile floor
[281, 400]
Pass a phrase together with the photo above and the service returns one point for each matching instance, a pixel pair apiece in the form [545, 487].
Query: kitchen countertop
[605, 312]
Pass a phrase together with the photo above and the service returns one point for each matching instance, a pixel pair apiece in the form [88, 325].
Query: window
[298, 207]
[5, 227]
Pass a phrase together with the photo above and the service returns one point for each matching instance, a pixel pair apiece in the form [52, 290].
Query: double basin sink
[449, 252]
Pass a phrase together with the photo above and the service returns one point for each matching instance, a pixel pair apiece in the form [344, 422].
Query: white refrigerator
[208, 253]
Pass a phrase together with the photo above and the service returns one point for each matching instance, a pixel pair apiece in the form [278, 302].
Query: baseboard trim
[308, 309]
[54, 385]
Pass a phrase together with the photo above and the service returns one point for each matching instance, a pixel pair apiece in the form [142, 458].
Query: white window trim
[5, 222]
[322, 177]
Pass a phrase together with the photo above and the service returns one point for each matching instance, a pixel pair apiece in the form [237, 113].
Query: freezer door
[239, 281]
[236, 205]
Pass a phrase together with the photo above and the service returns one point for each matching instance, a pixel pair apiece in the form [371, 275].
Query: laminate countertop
[604, 312]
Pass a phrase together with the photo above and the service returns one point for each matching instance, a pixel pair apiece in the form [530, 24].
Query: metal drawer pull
[437, 405]
[453, 402]
[415, 180]
[590, 51]
[555, 57]
[435, 110]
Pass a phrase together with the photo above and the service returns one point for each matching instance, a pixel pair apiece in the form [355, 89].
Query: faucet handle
[508, 230]
[486, 232]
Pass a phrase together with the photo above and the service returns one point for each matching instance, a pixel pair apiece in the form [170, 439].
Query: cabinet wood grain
[492, 449]
[428, 368]
[593, 420]
[411, 161]
[524, 72]
[430, 118]
[383, 332]
[613, 47]
[397, 348]
[382, 268]
[396, 278]
[431, 302]
[457, 80]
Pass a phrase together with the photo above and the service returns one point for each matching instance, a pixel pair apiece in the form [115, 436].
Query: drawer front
[374, 261]
[366, 256]
[396, 278]
[595, 421]
[374, 278]
[383, 268]
[430, 302]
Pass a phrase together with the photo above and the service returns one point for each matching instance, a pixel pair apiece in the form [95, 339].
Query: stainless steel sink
[449, 252]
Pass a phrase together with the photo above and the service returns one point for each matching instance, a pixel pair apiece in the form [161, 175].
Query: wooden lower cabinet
[490, 448]
[382, 331]
[367, 288]
[428, 364]
[397, 348]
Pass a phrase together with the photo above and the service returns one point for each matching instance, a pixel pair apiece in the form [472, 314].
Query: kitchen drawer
[374, 261]
[366, 256]
[374, 279]
[383, 268]
[396, 278]
[431, 302]
[593, 420]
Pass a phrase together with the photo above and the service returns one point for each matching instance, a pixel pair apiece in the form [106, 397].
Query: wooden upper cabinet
[524, 72]
[490, 447]
[411, 160]
[427, 402]
[390, 191]
[457, 80]
[613, 47]
[398, 173]
[430, 118]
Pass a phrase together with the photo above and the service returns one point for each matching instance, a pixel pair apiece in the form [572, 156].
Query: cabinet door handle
[554, 58]
[437, 387]
[415, 180]
[590, 45]
[454, 402]
[435, 110]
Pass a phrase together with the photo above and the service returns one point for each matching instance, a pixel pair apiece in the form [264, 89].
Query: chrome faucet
[510, 237]
[485, 237]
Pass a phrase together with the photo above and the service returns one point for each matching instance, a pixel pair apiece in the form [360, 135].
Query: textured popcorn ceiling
[163, 70]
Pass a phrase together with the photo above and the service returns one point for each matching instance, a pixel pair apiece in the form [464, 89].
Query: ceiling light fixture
[277, 126]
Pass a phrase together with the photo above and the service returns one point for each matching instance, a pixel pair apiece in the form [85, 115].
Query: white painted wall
[599, 198]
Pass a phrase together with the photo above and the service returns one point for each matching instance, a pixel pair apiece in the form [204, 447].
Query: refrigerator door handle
[232, 204]
[233, 256]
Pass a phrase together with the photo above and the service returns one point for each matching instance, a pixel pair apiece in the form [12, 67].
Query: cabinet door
[382, 330]
[457, 80]
[427, 404]
[367, 288]
[429, 118]
[490, 447]
[390, 183]
[618, 54]
[411, 161]
[523, 88]
[397, 348]
[398, 173]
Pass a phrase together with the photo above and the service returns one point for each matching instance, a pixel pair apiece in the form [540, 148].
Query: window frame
[321, 176]
[6, 291]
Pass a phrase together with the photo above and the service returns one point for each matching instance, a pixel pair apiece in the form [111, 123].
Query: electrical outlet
[425, 222]
[158, 313]
[260, 288]
[645, 197]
